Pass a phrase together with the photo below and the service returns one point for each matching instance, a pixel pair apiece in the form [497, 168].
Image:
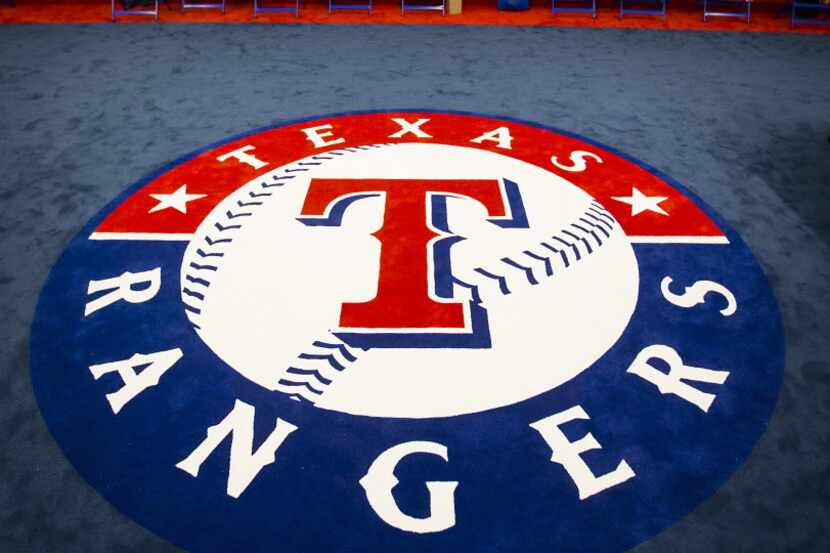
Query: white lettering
[671, 382]
[380, 480]
[695, 294]
[567, 453]
[245, 463]
[407, 128]
[122, 288]
[319, 138]
[242, 156]
[578, 163]
[154, 366]
[500, 136]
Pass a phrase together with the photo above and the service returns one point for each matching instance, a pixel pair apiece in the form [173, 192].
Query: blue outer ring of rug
[510, 496]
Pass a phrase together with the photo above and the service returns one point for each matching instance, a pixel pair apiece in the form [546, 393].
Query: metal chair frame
[202, 5]
[281, 9]
[334, 6]
[795, 20]
[592, 10]
[642, 11]
[746, 14]
[442, 7]
[154, 12]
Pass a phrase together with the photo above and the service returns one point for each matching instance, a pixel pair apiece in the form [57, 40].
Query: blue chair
[260, 8]
[442, 7]
[745, 13]
[334, 6]
[189, 4]
[581, 9]
[795, 19]
[127, 10]
[661, 11]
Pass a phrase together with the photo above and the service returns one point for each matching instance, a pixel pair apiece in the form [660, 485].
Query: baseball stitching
[313, 370]
[545, 260]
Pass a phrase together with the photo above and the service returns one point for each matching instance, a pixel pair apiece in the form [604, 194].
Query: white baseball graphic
[264, 290]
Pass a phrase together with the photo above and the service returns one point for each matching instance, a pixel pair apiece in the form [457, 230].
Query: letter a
[500, 136]
[154, 366]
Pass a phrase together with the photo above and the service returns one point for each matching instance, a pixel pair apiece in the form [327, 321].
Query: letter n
[245, 463]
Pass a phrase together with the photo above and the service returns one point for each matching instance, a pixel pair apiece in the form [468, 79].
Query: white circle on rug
[555, 301]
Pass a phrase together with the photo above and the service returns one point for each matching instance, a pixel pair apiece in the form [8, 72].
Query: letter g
[380, 480]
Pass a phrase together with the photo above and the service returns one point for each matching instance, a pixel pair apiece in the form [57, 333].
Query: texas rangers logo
[407, 331]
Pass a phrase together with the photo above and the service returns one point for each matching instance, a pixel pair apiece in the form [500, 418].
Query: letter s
[695, 294]
[578, 163]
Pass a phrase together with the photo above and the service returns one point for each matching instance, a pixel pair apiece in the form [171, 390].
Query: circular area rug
[407, 331]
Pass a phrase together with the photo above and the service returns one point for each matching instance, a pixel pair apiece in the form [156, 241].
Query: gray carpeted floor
[742, 119]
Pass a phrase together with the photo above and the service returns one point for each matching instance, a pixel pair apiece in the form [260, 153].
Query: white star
[177, 200]
[639, 202]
